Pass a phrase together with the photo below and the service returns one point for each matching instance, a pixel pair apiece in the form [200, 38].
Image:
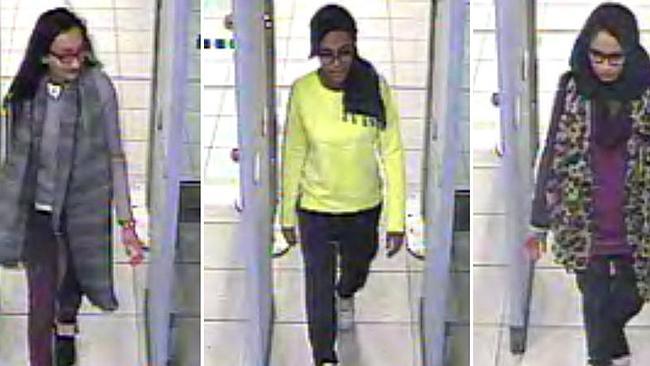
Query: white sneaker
[622, 361]
[345, 309]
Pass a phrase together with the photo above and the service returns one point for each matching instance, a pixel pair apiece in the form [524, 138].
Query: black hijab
[612, 124]
[361, 89]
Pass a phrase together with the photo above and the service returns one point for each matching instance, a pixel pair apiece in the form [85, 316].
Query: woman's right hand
[535, 246]
[289, 234]
[133, 245]
[282, 247]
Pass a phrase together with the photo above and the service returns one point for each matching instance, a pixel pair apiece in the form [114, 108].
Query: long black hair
[32, 69]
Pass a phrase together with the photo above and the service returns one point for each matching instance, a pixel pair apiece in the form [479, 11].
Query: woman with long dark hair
[340, 119]
[64, 167]
[593, 180]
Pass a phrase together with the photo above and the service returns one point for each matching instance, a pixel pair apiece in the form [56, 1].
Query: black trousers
[357, 238]
[610, 298]
[52, 294]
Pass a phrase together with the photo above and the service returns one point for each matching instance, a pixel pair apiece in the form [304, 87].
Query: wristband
[126, 224]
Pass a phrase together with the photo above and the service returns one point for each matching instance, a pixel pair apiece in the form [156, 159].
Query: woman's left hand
[133, 245]
[394, 241]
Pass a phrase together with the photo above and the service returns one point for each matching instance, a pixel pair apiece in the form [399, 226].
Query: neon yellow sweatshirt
[335, 166]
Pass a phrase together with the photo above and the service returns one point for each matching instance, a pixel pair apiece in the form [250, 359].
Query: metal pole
[272, 126]
[515, 109]
[430, 129]
[171, 114]
[254, 121]
[531, 78]
[151, 151]
[439, 225]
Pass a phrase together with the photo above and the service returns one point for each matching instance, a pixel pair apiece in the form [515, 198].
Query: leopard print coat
[571, 181]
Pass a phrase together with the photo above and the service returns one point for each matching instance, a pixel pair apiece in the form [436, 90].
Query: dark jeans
[52, 295]
[357, 238]
[609, 300]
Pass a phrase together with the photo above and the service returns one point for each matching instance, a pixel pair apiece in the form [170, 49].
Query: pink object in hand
[532, 248]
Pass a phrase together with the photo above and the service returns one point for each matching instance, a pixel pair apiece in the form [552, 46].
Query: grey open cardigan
[84, 183]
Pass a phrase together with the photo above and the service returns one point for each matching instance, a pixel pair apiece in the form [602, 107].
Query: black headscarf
[361, 89]
[612, 124]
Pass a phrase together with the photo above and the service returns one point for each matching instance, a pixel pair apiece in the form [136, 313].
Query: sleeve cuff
[288, 220]
[539, 232]
[396, 227]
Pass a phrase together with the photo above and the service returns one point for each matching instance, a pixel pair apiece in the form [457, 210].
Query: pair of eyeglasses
[328, 56]
[613, 59]
[69, 58]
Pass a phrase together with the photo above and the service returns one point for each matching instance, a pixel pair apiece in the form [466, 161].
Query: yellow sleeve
[294, 150]
[392, 156]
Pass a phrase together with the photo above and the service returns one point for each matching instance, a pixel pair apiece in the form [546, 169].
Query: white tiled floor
[555, 336]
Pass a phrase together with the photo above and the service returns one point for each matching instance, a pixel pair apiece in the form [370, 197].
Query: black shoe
[65, 350]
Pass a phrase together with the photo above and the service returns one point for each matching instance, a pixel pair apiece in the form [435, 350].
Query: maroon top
[608, 165]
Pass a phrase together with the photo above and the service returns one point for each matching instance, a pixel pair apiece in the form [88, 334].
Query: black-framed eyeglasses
[328, 56]
[613, 59]
[70, 58]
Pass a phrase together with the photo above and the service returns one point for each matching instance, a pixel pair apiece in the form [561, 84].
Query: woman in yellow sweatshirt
[342, 128]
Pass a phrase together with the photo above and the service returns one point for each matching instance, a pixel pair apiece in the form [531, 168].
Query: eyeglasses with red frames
[69, 58]
[600, 57]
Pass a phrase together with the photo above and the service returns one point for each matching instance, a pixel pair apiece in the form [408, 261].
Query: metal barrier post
[517, 103]
[439, 223]
[170, 118]
[255, 230]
